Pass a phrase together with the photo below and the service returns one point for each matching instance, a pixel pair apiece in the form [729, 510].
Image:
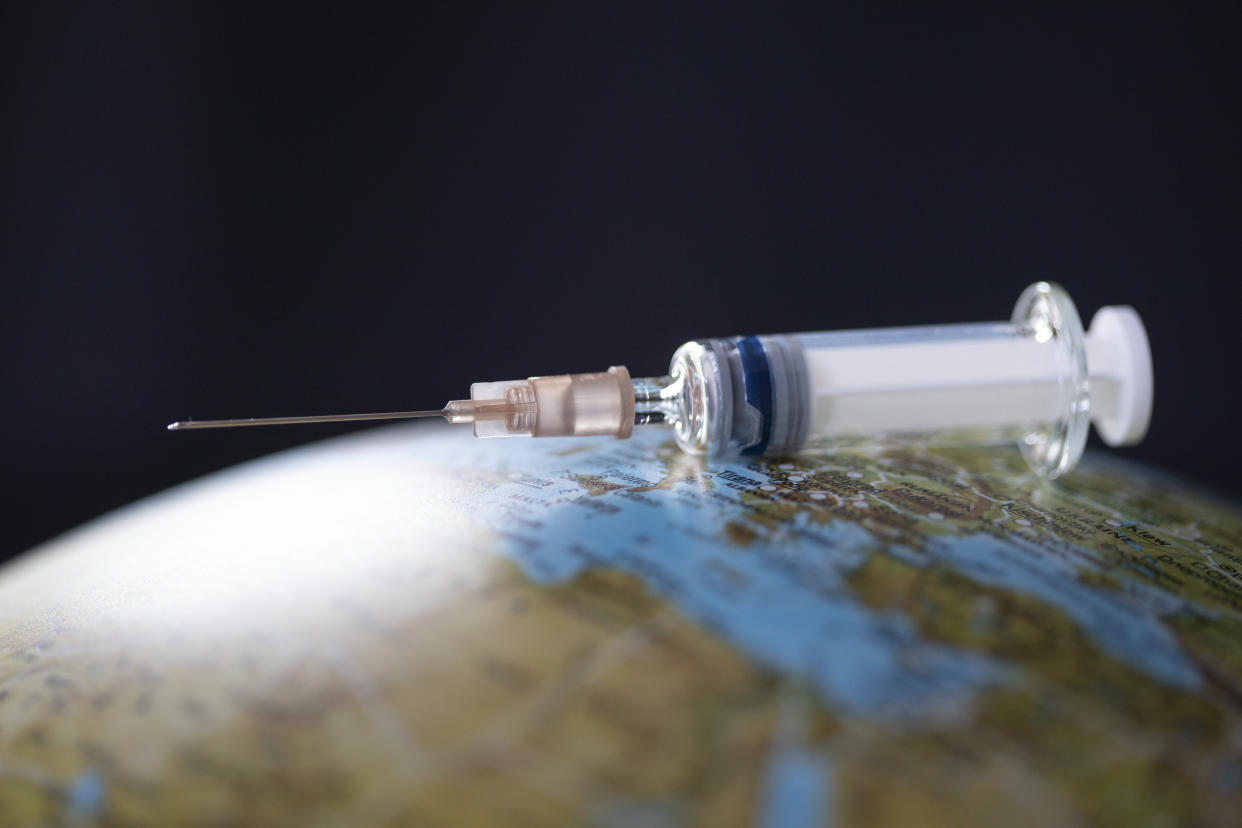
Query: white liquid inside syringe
[928, 379]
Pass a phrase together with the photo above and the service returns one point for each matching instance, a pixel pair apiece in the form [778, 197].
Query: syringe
[1037, 379]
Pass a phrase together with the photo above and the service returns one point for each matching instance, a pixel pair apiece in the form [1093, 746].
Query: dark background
[217, 210]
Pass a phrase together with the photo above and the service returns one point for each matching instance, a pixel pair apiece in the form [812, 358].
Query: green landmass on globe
[408, 626]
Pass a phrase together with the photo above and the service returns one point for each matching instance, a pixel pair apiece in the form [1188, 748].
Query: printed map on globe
[412, 627]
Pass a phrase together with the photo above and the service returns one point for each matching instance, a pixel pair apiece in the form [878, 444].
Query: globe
[408, 626]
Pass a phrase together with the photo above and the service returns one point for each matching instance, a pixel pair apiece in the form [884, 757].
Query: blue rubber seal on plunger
[757, 379]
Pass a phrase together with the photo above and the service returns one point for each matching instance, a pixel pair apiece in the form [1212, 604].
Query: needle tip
[177, 426]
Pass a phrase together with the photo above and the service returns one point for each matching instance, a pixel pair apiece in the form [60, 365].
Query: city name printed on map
[1229, 591]
[1115, 529]
[842, 483]
[738, 481]
[1220, 572]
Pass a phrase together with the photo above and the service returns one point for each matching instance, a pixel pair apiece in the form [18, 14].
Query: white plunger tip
[1117, 350]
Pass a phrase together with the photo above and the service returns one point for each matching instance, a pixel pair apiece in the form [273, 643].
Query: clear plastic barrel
[1022, 380]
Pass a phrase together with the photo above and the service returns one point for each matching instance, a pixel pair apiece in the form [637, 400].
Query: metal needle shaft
[183, 425]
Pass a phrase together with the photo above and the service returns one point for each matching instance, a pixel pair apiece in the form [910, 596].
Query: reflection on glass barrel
[411, 627]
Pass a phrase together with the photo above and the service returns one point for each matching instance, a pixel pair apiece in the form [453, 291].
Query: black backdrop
[219, 210]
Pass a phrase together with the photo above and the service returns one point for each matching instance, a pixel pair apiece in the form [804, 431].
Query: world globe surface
[412, 627]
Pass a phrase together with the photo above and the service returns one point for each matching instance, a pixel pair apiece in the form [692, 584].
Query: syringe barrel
[1023, 380]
